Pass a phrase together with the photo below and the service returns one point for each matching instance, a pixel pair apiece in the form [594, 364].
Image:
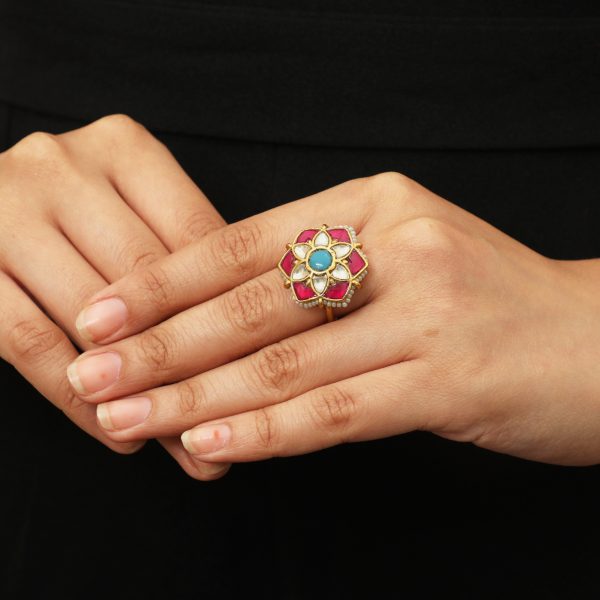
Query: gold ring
[323, 267]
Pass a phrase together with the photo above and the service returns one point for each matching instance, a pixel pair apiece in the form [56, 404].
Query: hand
[78, 211]
[458, 329]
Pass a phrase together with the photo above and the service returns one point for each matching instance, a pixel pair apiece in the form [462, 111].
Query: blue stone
[320, 260]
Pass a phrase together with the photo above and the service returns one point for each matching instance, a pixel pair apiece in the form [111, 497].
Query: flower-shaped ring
[323, 267]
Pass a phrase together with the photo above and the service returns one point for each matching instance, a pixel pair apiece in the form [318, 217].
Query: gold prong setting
[324, 266]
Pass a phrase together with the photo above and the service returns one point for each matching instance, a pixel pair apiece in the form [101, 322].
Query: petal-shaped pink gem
[356, 262]
[287, 263]
[303, 292]
[307, 234]
[339, 234]
[337, 291]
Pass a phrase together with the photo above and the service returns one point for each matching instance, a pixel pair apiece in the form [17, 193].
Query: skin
[101, 202]
[458, 329]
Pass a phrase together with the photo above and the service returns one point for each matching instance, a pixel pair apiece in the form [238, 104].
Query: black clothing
[493, 105]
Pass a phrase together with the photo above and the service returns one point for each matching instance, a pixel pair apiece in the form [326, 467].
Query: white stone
[300, 272]
[340, 272]
[321, 239]
[301, 250]
[341, 250]
[319, 283]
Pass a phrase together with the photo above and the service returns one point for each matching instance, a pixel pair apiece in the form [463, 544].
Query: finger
[381, 403]
[217, 263]
[251, 316]
[107, 232]
[203, 471]
[147, 176]
[54, 272]
[40, 351]
[323, 355]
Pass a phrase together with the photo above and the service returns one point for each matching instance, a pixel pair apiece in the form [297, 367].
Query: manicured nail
[99, 320]
[121, 414]
[94, 373]
[205, 440]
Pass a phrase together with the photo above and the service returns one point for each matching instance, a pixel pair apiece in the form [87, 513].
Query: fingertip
[210, 471]
[126, 448]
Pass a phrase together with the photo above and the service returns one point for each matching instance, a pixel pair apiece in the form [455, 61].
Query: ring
[323, 267]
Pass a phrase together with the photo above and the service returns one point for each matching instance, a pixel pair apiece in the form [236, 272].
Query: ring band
[323, 267]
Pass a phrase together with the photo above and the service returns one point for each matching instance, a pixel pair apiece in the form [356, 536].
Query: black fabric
[411, 516]
[368, 79]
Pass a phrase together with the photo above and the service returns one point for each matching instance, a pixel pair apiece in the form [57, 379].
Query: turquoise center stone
[320, 260]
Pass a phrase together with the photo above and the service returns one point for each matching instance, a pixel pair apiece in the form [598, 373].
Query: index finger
[215, 264]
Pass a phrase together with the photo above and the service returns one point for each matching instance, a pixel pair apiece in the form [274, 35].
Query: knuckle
[384, 191]
[248, 305]
[190, 398]
[141, 260]
[334, 408]
[238, 247]
[119, 125]
[388, 185]
[157, 349]
[277, 366]
[157, 286]
[69, 401]
[39, 156]
[39, 144]
[428, 236]
[266, 430]
[133, 257]
[33, 340]
[196, 226]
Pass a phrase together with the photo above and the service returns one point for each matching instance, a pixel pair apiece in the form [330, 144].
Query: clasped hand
[189, 335]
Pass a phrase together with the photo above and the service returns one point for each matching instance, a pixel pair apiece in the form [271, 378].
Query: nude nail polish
[124, 413]
[205, 440]
[101, 319]
[92, 373]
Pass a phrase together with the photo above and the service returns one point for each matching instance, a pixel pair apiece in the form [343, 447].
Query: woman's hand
[78, 211]
[458, 329]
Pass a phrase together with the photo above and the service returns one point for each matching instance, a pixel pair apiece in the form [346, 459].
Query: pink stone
[337, 291]
[306, 235]
[356, 262]
[339, 234]
[303, 292]
[287, 262]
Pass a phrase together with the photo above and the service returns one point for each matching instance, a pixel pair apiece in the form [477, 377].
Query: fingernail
[205, 440]
[94, 373]
[121, 414]
[99, 320]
